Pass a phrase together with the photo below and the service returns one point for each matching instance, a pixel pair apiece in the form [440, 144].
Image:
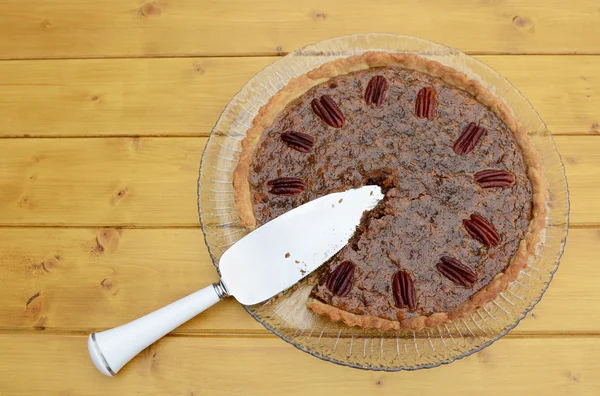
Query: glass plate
[286, 315]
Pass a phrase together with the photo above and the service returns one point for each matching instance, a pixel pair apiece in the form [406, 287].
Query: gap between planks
[573, 226]
[167, 136]
[282, 54]
[267, 334]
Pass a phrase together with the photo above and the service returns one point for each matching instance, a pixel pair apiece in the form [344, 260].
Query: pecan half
[375, 91]
[404, 290]
[468, 139]
[340, 279]
[456, 271]
[286, 186]
[482, 230]
[328, 111]
[494, 178]
[298, 141]
[425, 103]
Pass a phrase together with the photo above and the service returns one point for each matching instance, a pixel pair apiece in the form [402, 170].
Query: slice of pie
[465, 199]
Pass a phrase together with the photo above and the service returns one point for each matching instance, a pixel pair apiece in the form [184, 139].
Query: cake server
[262, 264]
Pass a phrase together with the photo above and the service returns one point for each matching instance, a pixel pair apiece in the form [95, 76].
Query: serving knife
[259, 266]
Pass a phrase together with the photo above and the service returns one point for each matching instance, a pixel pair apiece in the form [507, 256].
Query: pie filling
[457, 197]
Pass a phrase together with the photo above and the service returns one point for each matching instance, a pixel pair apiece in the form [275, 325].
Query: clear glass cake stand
[286, 315]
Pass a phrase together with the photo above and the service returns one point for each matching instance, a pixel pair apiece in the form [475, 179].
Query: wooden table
[104, 112]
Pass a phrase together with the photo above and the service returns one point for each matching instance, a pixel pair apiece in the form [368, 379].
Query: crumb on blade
[287, 255]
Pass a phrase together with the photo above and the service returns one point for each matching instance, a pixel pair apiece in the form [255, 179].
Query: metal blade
[280, 253]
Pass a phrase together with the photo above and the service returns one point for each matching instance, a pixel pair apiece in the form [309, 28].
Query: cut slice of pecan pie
[464, 200]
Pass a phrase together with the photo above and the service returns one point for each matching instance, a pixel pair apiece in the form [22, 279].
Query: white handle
[112, 349]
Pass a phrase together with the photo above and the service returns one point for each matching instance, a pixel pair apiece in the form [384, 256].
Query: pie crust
[300, 85]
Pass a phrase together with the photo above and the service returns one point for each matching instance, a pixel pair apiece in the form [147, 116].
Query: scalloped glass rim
[286, 315]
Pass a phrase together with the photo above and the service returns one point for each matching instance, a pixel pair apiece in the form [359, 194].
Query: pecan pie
[465, 200]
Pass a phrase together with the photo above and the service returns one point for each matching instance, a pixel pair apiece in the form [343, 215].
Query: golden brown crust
[299, 85]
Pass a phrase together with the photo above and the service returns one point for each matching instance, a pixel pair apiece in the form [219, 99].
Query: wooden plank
[147, 182]
[564, 90]
[80, 280]
[123, 181]
[583, 177]
[59, 365]
[185, 96]
[84, 279]
[59, 28]
[148, 97]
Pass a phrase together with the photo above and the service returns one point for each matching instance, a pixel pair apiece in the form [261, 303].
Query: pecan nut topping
[482, 230]
[404, 290]
[456, 271]
[340, 279]
[468, 139]
[286, 186]
[425, 103]
[328, 111]
[298, 141]
[428, 190]
[375, 92]
[494, 178]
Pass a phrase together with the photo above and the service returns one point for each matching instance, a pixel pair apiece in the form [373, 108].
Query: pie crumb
[287, 255]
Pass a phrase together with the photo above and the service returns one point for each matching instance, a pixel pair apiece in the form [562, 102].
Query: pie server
[262, 264]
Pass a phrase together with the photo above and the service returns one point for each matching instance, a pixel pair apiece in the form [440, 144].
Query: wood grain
[105, 108]
[80, 280]
[184, 97]
[149, 97]
[112, 28]
[59, 365]
[125, 181]
[151, 182]
[85, 279]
